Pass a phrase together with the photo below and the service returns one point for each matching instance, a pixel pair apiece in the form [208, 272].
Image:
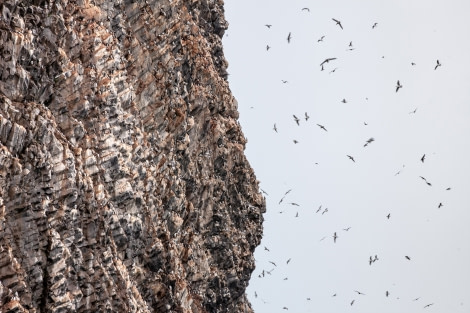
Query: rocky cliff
[123, 181]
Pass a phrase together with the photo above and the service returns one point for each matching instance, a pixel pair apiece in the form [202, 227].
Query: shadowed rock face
[123, 182]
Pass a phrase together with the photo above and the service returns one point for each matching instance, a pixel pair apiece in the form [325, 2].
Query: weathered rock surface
[123, 181]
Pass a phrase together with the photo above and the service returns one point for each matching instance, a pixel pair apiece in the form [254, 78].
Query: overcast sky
[385, 177]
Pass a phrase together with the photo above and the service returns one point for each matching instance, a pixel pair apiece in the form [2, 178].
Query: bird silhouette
[306, 9]
[344, 101]
[374, 26]
[333, 70]
[293, 203]
[295, 141]
[338, 23]
[268, 25]
[284, 81]
[369, 141]
[423, 157]
[440, 205]
[289, 37]
[306, 116]
[407, 257]
[322, 127]
[268, 47]
[386, 293]
[428, 183]
[288, 261]
[275, 128]
[413, 63]
[346, 229]
[352, 302]
[335, 237]
[351, 158]
[437, 65]
[266, 248]
[398, 86]
[388, 216]
[359, 293]
[296, 119]
[428, 305]
[321, 38]
[273, 263]
[327, 60]
[413, 112]
[318, 209]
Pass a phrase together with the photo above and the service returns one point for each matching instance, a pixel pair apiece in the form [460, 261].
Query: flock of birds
[323, 210]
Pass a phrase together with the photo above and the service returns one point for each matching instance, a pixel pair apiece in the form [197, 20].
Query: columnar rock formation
[123, 181]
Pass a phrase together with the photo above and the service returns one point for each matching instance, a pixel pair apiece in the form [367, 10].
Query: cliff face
[123, 183]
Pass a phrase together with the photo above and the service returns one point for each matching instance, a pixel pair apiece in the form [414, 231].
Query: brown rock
[123, 183]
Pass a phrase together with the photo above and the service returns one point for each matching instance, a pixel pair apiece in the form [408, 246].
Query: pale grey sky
[357, 194]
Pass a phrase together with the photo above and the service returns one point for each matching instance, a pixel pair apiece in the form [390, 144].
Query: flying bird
[413, 112]
[268, 25]
[398, 86]
[360, 293]
[268, 47]
[344, 101]
[324, 211]
[346, 229]
[407, 257]
[295, 141]
[338, 23]
[266, 248]
[370, 140]
[327, 60]
[275, 128]
[318, 209]
[333, 70]
[285, 308]
[428, 183]
[335, 237]
[306, 116]
[422, 158]
[273, 263]
[448, 188]
[374, 26]
[428, 305]
[293, 203]
[413, 63]
[296, 119]
[386, 293]
[321, 38]
[288, 261]
[284, 81]
[322, 127]
[440, 205]
[351, 158]
[306, 9]
[352, 302]
[289, 37]
[388, 216]
[370, 260]
[437, 65]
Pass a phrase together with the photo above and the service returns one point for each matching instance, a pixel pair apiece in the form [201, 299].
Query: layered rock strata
[123, 181]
